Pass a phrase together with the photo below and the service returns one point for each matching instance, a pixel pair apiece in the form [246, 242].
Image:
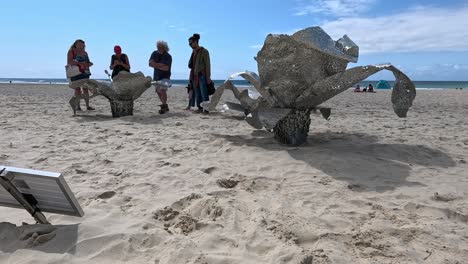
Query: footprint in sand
[209, 170]
[40, 160]
[356, 187]
[166, 214]
[307, 260]
[429, 211]
[186, 224]
[175, 220]
[106, 195]
[186, 201]
[227, 183]
[280, 231]
[444, 197]
[185, 215]
[3, 157]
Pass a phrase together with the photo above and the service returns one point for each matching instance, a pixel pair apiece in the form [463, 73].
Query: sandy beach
[190, 188]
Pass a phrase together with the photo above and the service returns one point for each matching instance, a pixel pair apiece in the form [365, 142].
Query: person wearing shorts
[161, 61]
[78, 56]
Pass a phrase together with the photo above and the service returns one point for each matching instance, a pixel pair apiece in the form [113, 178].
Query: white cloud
[334, 7]
[442, 71]
[180, 28]
[441, 68]
[421, 29]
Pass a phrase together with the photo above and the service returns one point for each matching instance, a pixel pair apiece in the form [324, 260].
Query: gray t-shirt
[164, 58]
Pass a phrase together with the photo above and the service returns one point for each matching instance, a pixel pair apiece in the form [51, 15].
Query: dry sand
[190, 188]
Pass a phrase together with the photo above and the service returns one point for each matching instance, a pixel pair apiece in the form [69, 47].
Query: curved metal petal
[243, 96]
[214, 101]
[253, 79]
[95, 87]
[270, 116]
[234, 107]
[131, 85]
[403, 93]
[252, 119]
[125, 85]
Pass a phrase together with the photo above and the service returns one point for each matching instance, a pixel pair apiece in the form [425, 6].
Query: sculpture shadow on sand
[359, 159]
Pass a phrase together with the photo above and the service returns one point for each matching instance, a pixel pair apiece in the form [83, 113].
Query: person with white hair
[161, 61]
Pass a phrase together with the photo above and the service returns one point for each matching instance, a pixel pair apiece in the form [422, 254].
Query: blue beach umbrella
[382, 84]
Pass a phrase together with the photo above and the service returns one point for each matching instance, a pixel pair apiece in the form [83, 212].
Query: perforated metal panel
[49, 189]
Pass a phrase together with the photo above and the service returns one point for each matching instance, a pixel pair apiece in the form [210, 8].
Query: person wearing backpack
[119, 61]
[200, 71]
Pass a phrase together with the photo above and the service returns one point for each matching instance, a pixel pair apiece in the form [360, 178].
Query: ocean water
[243, 83]
[426, 84]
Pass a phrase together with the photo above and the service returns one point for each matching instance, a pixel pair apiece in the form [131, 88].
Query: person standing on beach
[161, 61]
[79, 57]
[119, 61]
[200, 72]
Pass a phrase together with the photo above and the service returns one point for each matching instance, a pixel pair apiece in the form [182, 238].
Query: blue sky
[426, 39]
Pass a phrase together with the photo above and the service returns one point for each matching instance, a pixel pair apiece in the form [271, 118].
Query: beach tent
[382, 84]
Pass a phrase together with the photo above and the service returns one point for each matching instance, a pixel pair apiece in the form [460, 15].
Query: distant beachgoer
[370, 88]
[119, 61]
[10, 82]
[357, 89]
[161, 61]
[200, 71]
[79, 57]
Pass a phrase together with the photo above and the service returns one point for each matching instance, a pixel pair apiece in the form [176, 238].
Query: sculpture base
[294, 128]
[121, 107]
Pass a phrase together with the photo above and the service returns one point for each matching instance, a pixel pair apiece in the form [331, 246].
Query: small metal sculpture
[124, 89]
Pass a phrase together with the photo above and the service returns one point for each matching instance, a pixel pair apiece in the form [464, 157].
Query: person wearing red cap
[119, 62]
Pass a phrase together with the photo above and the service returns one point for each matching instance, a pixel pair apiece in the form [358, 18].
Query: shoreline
[240, 86]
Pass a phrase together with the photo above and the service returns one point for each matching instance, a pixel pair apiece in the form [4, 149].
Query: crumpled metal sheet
[302, 71]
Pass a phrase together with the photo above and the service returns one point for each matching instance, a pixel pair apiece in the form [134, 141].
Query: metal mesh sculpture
[124, 89]
[300, 72]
